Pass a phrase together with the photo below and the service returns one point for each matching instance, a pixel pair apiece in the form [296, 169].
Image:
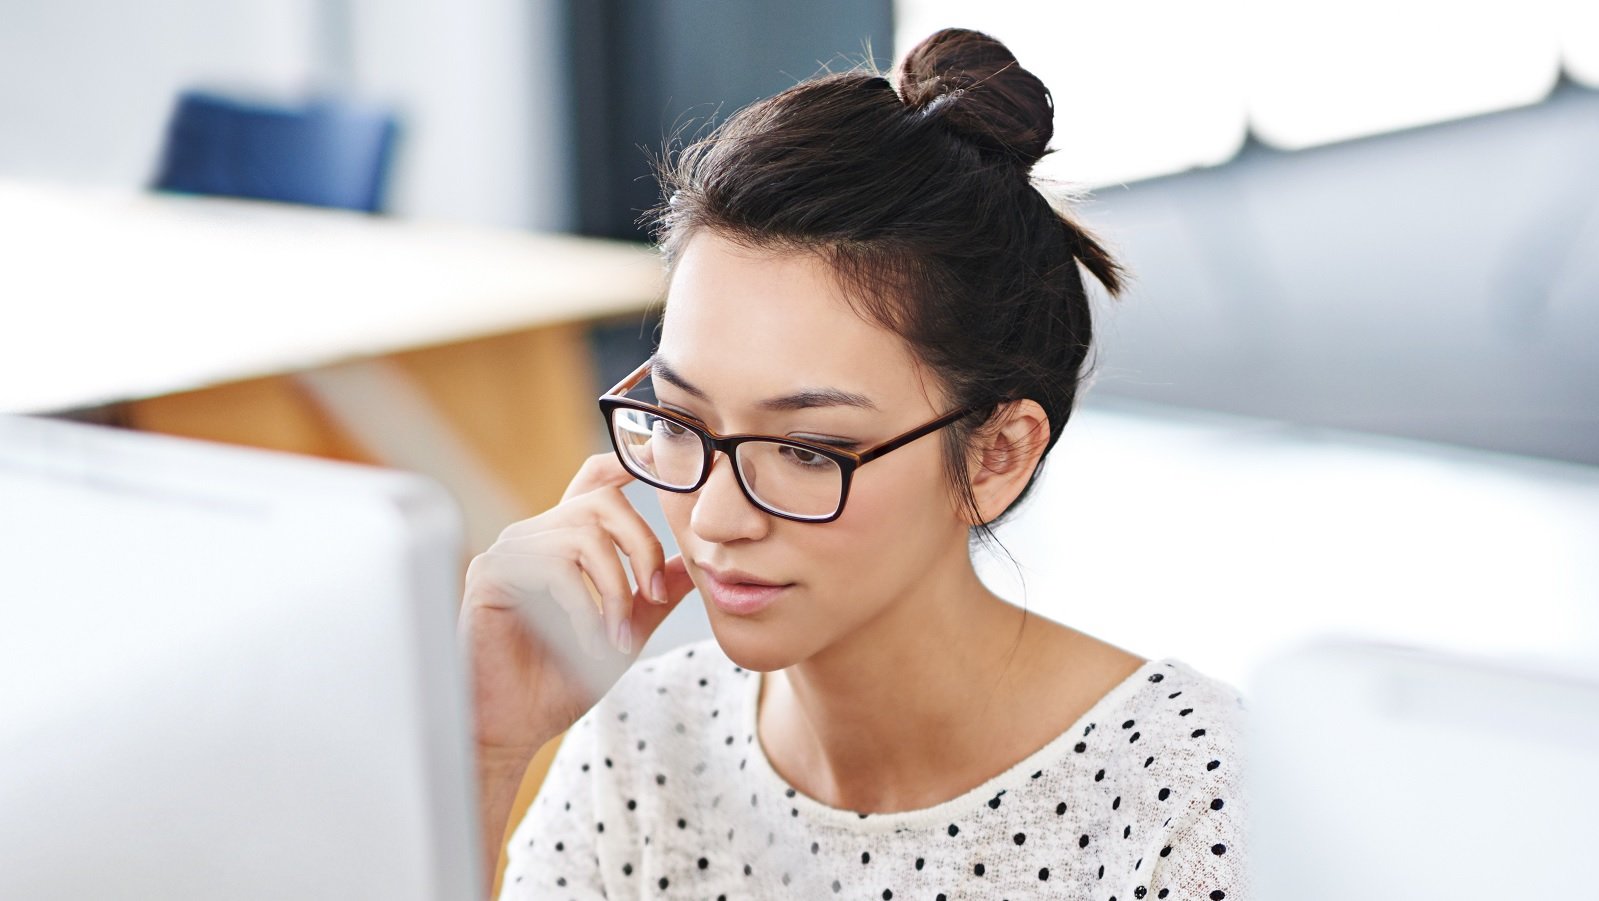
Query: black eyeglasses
[798, 480]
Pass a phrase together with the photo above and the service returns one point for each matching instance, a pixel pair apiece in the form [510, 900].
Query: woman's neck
[926, 701]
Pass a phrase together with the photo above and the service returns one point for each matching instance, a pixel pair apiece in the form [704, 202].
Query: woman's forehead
[774, 324]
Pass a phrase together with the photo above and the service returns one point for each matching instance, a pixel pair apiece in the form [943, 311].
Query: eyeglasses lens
[657, 450]
[780, 477]
[791, 479]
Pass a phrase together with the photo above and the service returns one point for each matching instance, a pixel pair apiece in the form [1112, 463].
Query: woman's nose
[721, 511]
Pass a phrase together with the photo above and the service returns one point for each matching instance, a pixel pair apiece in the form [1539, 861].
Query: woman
[863, 274]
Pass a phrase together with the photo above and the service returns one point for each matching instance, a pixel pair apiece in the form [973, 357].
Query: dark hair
[918, 194]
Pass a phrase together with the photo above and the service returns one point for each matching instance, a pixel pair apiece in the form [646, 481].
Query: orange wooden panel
[273, 413]
[523, 401]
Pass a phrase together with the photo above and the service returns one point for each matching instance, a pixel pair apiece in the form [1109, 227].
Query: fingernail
[658, 588]
[624, 636]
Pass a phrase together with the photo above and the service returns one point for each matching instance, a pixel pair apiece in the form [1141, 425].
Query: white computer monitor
[227, 673]
[1392, 772]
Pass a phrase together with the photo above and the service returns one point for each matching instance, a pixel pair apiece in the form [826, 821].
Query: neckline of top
[940, 813]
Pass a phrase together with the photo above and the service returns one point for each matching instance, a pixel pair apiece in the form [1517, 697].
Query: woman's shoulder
[1177, 740]
[688, 673]
[677, 694]
[1174, 708]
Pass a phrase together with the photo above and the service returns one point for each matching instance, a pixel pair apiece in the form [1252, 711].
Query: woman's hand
[542, 652]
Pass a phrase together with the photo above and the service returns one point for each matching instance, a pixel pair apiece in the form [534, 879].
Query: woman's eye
[670, 428]
[803, 457]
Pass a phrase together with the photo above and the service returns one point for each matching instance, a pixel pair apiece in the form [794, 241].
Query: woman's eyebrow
[804, 399]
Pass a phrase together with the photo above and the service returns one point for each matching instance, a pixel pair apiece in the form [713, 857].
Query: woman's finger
[547, 590]
[598, 471]
[633, 535]
[592, 548]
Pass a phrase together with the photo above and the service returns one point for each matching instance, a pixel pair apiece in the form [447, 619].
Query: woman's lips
[739, 598]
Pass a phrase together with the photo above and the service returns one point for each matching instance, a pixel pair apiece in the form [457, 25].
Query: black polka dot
[1217, 895]
[1218, 849]
[866, 857]
[627, 869]
[1157, 677]
[632, 804]
[954, 829]
[1060, 809]
[1127, 725]
[663, 883]
[704, 863]
[1148, 760]
[1116, 804]
[1082, 840]
[920, 863]
[1213, 764]
[1216, 804]
[815, 847]
[1133, 738]
[1164, 794]
[1099, 775]
[561, 881]
[887, 894]
[683, 824]
[979, 869]
[560, 846]
[747, 869]
[1043, 874]
[1020, 838]
[1197, 733]
[1165, 851]
[1080, 747]
[1139, 892]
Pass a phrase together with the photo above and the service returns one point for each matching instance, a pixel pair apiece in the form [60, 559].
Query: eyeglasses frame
[847, 461]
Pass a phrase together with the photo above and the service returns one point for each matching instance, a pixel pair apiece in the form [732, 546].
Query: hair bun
[973, 84]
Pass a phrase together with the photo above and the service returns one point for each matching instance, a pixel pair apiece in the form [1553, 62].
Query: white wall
[86, 87]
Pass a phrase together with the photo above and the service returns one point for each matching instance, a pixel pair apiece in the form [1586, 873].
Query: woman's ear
[1004, 455]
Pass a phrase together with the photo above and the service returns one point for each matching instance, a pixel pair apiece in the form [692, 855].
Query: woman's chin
[750, 645]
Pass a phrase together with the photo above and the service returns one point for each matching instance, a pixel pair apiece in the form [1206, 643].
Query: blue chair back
[323, 153]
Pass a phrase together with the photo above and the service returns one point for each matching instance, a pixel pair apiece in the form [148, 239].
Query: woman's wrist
[502, 764]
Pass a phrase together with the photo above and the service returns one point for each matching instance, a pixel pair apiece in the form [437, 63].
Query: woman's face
[745, 327]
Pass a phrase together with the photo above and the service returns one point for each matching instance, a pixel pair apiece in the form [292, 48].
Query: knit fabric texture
[663, 791]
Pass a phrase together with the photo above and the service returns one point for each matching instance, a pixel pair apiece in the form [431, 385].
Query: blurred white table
[452, 349]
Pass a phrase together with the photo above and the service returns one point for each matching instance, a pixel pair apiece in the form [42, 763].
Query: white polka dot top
[662, 791]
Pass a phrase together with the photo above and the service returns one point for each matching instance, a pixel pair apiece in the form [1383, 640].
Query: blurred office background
[1354, 388]
[1365, 231]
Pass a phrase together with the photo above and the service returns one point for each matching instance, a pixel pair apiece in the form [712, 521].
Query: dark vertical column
[643, 70]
